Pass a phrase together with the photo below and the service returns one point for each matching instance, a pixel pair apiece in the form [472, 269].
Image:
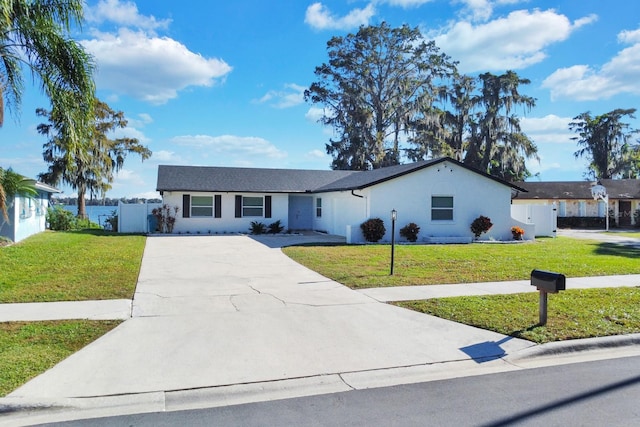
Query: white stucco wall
[27, 216]
[228, 223]
[410, 195]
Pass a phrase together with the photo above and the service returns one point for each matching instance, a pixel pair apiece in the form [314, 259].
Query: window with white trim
[201, 206]
[318, 207]
[252, 206]
[441, 208]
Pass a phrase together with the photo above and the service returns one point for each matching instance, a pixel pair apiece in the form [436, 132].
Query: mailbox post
[394, 216]
[547, 282]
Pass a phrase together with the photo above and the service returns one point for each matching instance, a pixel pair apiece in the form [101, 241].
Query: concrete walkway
[218, 320]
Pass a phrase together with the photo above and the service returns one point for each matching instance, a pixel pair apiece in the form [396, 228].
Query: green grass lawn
[572, 314]
[30, 348]
[367, 266]
[61, 266]
[71, 266]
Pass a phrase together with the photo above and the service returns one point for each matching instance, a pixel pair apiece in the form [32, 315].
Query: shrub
[60, 219]
[373, 229]
[166, 218]
[257, 227]
[410, 231]
[480, 225]
[276, 227]
[112, 221]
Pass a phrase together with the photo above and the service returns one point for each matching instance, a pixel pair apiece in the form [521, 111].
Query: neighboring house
[442, 196]
[574, 199]
[27, 215]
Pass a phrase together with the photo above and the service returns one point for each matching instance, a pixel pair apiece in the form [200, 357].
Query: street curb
[575, 346]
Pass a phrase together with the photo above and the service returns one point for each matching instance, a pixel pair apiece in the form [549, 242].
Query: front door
[300, 212]
[624, 217]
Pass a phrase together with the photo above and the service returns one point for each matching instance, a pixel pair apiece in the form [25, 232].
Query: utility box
[548, 281]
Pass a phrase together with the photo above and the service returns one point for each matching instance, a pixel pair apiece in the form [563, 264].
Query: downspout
[366, 204]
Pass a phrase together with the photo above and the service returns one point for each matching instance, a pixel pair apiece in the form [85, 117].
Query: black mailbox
[548, 281]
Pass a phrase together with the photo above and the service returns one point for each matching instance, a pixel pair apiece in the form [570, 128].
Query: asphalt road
[601, 393]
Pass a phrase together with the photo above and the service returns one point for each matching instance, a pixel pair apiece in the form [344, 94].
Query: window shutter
[238, 206]
[267, 206]
[186, 206]
[218, 206]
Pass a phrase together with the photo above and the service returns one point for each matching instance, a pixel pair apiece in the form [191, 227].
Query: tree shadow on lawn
[618, 249]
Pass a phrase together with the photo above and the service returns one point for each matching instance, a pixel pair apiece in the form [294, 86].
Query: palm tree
[13, 184]
[35, 33]
[88, 167]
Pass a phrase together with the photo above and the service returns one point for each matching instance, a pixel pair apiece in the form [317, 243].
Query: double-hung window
[252, 206]
[441, 208]
[318, 207]
[201, 206]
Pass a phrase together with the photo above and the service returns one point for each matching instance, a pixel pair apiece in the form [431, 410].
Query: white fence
[134, 218]
[543, 217]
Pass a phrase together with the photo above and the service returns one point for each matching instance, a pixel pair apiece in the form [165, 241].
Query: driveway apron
[212, 311]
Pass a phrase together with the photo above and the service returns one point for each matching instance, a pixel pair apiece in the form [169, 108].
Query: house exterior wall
[227, 223]
[27, 216]
[341, 209]
[411, 196]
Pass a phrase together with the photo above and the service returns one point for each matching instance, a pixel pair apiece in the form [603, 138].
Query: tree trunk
[82, 207]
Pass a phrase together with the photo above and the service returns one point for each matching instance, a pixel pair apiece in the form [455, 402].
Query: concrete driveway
[223, 313]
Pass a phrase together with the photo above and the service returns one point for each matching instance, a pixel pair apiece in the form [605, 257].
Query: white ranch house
[442, 196]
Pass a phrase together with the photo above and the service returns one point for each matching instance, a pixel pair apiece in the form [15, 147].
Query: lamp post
[599, 192]
[394, 216]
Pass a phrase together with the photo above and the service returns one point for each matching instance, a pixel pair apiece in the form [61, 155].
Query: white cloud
[130, 132]
[141, 120]
[164, 156]
[150, 68]
[290, 96]
[548, 129]
[124, 14]
[127, 175]
[407, 3]
[314, 114]
[317, 154]
[583, 82]
[512, 42]
[482, 10]
[320, 17]
[234, 145]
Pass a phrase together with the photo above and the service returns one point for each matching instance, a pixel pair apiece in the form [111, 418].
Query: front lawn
[71, 266]
[572, 314]
[368, 266]
[29, 348]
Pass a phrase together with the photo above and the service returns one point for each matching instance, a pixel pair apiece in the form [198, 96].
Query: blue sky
[221, 83]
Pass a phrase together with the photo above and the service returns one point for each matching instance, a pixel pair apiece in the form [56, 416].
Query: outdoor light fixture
[394, 216]
[599, 192]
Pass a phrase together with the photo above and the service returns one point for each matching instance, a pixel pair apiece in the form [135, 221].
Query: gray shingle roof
[255, 180]
[250, 180]
[616, 188]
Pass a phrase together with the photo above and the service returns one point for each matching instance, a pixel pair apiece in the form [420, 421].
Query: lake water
[97, 214]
